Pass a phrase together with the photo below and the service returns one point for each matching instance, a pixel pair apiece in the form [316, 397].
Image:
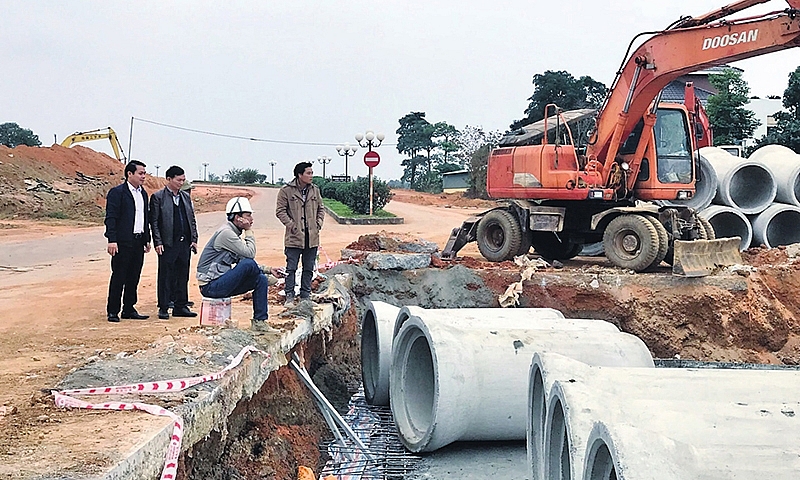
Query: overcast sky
[304, 71]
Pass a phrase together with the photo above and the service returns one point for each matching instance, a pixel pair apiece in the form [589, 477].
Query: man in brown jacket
[299, 208]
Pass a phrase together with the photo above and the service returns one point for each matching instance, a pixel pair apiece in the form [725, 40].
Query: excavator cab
[668, 167]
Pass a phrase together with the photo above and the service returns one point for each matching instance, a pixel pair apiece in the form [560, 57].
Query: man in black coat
[128, 234]
[175, 238]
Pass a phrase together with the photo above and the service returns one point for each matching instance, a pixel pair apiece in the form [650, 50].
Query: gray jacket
[224, 249]
[161, 216]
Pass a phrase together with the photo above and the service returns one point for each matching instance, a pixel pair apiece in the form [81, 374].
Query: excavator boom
[98, 134]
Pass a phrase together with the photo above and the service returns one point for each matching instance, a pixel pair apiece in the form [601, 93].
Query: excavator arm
[91, 135]
[705, 42]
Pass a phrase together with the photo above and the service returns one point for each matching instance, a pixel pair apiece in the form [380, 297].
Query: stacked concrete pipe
[729, 222]
[603, 423]
[785, 167]
[466, 380]
[382, 321]
[743, 184]
[778, 225]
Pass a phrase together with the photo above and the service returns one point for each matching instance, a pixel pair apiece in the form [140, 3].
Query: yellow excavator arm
[98, 134]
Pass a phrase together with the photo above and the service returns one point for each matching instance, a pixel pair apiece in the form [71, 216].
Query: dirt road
[53, 287]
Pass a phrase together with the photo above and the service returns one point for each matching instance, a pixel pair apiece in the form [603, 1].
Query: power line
[237, 137]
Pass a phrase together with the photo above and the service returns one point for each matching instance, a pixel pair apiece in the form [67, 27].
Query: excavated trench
[744, 317]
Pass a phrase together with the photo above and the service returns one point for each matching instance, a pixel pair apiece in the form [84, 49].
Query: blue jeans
[309, 261]
[242, 278]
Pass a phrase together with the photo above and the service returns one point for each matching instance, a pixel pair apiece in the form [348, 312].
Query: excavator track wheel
[499, 236]
[631, 242]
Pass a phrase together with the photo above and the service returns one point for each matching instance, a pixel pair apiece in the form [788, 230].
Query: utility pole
[157, 167]
[205, 177]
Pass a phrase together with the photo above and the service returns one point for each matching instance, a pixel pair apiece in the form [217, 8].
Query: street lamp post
[272, 164]
[346, 151]
[324, 160]
[370, 141]
[157, 167]
[205, 166]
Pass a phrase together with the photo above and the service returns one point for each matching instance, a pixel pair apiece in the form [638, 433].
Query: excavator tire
[663, 243]
[631, 242]
[552, 247]
[499, 236]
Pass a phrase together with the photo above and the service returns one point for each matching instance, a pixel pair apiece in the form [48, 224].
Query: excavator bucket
[698, 258]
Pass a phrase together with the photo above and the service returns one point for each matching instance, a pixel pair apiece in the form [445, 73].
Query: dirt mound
[447, 200]
[58, 182]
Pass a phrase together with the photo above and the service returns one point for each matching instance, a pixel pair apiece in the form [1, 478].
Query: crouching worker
[227, 267]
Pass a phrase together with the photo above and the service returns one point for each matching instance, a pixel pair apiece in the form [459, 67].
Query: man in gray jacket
[175, 238]
[227, 265]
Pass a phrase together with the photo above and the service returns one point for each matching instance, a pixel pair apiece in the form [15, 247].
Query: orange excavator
[561, 194]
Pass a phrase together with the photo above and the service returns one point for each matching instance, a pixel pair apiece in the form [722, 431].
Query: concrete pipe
[705, 187]
[703, 408]
[743, 184]
[779, 224]
[478, 315]
[382, 321]
[376, 350]
[785, 167]
[543, 373]
[729, 222]
[452, 382]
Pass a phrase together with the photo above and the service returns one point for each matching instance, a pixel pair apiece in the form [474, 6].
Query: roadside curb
[364, 221]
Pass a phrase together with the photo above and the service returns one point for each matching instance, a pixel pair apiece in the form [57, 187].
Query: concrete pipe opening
[751, 188]
[376, 351]
[536, 421]
[600, 464]
[558, 464]
[729, 222]
[413, 379]
[777, 225]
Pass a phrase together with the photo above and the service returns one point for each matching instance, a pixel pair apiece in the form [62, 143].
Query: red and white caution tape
[64, 400]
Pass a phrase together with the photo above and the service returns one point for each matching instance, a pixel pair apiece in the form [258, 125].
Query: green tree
[787, 130]
[479, 162]
[444, 139]
[566, 91]
[213, 177]
[11, 135]
[414, 136]
[732, 122]
[245, 175]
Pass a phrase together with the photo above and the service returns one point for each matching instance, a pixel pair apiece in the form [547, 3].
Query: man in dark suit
[175, 238]
[128, 234]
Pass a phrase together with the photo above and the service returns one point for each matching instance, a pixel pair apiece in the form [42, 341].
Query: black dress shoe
[183, 312]
[134, 315]
[112, 317]
[163, 314]
[190, 304]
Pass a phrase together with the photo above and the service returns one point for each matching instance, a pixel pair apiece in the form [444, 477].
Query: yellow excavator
[98, 134]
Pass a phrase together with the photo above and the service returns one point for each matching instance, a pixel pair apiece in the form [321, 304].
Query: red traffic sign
[372, 159]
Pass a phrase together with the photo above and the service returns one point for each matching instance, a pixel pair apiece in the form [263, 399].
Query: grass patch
[58, 215]
[344, 211]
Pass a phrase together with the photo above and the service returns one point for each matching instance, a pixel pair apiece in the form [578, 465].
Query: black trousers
[293, 255]
[173, 275]
[126, 268]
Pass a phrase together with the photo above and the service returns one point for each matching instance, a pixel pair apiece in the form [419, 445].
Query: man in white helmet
[227, 267]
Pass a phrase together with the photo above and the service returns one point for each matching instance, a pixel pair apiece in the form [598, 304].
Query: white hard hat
[238, 205]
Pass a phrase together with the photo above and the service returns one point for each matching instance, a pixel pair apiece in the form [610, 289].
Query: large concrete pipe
[542, 375]
[477, 315]
[382, 321]
[743, 184]
[452, 382]
[711, 410]
[779, 224]
[376, 350]
[705, 186]
[729, 222]
[785, 167]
